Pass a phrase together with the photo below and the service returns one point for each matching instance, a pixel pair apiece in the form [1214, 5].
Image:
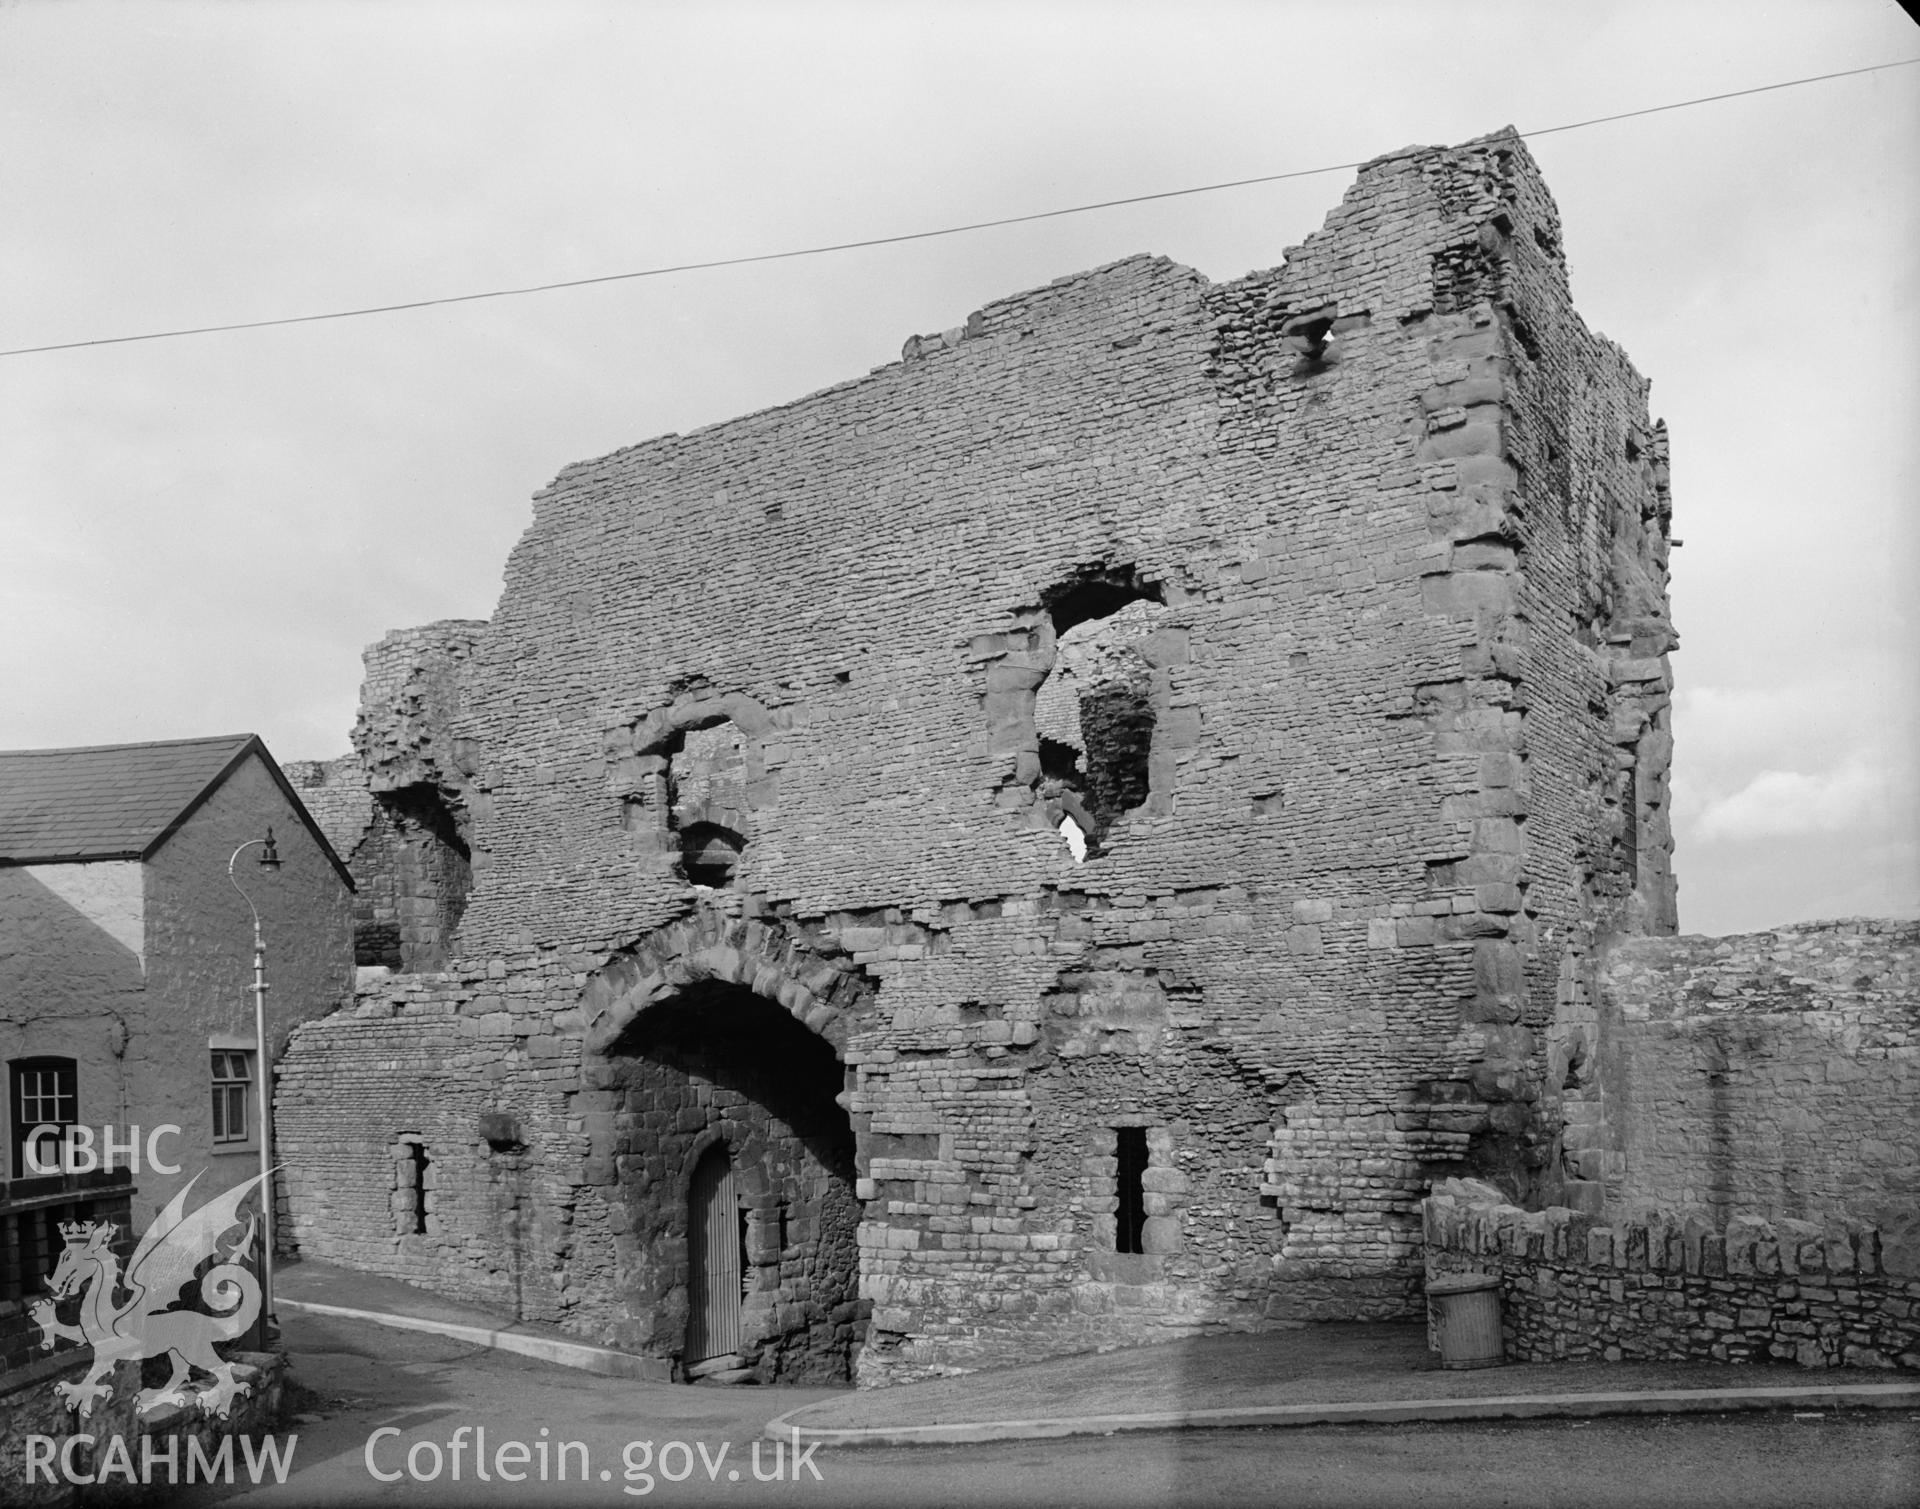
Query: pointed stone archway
[821, 992]
[718, 1038]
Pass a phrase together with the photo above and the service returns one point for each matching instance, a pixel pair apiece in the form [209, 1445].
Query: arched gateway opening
[734, 1163]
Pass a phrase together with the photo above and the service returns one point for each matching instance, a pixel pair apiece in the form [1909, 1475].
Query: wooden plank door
[716, 1252]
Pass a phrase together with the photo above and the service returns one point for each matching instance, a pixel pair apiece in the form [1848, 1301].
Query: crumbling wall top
[1853, 966]
[410, 704]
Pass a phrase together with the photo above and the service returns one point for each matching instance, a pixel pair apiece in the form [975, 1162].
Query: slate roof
[119, 801]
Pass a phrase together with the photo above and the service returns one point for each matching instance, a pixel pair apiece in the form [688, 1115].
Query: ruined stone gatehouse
[1057, 842]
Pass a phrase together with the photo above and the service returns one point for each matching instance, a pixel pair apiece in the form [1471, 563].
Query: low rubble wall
[1574, 1286]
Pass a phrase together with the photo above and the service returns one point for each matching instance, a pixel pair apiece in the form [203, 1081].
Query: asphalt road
[425, 1394]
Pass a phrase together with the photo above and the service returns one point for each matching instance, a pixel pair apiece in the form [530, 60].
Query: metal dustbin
[1466, 1319]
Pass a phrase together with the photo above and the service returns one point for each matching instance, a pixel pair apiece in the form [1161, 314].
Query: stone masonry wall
[410, 700]
[1776, 1074]
[1322, 604]
[1669, 1288]
[335, 794]
[395, 809]
[419, 842]
[423, 1060]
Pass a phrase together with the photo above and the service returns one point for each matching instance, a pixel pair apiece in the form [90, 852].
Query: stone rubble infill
[792, 1427]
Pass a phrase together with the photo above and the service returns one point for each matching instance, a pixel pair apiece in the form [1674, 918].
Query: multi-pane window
[45, 1092]
[232, 1075]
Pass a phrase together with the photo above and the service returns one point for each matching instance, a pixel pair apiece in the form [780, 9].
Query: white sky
[200, 535]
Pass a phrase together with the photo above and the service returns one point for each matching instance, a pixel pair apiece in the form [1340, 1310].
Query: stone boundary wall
[1574, 1287]
[1776, 1073]
[29, 1407]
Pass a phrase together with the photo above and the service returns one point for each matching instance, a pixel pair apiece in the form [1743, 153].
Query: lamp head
[269, 856]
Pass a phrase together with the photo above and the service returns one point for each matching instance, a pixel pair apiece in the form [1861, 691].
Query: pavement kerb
[1375, 1412]
[566, 1354]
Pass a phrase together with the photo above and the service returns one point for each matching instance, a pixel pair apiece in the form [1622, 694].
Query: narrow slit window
[1130, 1214]
[421, 1163]
[410, 1167]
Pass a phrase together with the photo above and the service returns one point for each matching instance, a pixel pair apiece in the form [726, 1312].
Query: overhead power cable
[895, 240]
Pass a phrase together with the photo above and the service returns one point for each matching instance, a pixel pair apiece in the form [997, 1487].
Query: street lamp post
[269, 860]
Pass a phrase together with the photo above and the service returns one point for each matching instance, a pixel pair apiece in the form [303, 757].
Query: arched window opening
[1094, 711]
[708, 854]
[690, 777]
[704, 801]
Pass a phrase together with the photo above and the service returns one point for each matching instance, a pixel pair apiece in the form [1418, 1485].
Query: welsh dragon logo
[144, 1325]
